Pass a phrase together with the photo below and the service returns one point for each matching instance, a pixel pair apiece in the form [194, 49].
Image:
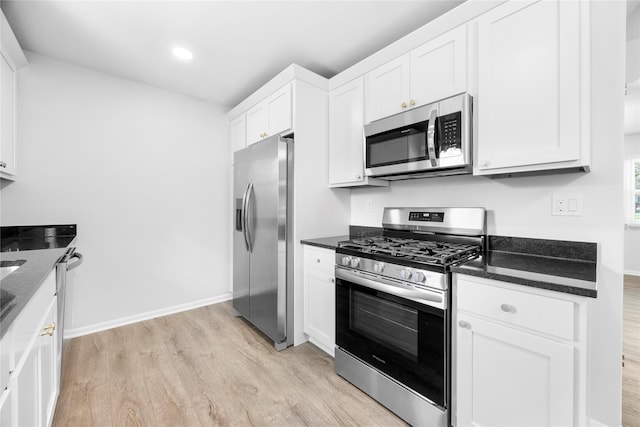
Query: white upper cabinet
[432, 71]
[270, 117]
[439, 67]
[11, 59]
[346, 138]
[532, 108]
[388, 89]
[238, 133]
[7, 121]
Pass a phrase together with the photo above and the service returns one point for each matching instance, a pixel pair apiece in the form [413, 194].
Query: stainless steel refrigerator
[262, 248]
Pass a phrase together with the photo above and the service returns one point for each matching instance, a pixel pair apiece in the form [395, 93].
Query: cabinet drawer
[320, 259]
[536, 312]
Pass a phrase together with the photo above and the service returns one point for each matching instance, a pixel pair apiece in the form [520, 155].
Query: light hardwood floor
[204, 367]
[631, 351]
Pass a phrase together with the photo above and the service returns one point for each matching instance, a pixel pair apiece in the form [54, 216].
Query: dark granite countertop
[325, 242]
[40, 250]
[560, 266]
[355, 231]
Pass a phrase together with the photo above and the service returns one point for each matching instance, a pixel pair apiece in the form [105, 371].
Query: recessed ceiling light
[182, 53]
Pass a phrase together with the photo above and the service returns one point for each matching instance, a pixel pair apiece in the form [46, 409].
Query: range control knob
[346, 261]
[418, 277]
[378, 267]
[355, 262]
[405, 274]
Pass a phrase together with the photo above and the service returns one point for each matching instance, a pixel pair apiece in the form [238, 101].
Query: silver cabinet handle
[464, 324]
[507, 308]
[3, 164]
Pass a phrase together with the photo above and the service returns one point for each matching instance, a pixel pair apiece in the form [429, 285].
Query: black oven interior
[404, 339]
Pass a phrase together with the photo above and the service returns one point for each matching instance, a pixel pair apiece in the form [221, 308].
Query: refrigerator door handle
[248, 218]
[245, 197]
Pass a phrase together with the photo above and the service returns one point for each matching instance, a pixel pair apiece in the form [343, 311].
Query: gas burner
[420, 251]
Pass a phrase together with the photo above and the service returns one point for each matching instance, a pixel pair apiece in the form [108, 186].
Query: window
[632, 184]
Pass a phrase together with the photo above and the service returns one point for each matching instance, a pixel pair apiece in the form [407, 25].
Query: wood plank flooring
[631, 351]
[205, 367]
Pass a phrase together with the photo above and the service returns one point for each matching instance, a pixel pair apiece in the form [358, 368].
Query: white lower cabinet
[30, 396]
[519, 355]
[319, 297]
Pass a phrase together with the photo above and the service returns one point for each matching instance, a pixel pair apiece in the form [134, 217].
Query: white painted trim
[99, 327]
[632, 273]
[289, 74]
[596, 423]
[10, 47]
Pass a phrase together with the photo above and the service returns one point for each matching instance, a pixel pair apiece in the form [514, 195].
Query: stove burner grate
[422, 251]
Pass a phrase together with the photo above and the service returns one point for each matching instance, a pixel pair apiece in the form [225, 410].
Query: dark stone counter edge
[325, 242]
[526, 282]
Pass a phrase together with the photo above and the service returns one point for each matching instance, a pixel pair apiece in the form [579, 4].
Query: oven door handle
[423, 296]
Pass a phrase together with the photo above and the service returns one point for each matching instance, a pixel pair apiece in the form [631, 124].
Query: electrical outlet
[566, 204]
[369, 206]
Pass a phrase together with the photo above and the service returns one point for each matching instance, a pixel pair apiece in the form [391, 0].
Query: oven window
[397, 146]
[389, 324]
[406, 340]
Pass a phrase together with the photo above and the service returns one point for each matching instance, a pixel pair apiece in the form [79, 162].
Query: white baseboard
[632, 273]
[595, 423]
[103, 326]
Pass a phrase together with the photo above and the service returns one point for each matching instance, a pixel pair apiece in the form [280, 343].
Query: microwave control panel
[450, 133]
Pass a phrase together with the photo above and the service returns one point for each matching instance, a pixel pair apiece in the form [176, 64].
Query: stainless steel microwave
[432, 140]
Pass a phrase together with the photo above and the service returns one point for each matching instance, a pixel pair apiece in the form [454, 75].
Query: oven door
[397, 333]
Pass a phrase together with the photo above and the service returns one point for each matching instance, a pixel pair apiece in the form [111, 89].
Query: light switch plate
[567, 204]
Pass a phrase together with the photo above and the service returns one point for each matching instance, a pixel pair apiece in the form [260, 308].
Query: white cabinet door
[238, 133]
[270, 117]
[256, 123]
[279, 109]
[387, 89]
[439, 67]
[319, 297]
[49, 380]
[529, 86]
[6, 407]
[346, 138]
[6, 358]
[7, 123]
[506, 377]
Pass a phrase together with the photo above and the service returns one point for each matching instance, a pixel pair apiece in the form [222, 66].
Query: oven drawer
[544, 314]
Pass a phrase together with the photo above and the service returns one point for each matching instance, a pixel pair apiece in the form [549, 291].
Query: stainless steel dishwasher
[64, 277]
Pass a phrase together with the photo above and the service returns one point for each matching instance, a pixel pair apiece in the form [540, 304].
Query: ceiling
[237, 45]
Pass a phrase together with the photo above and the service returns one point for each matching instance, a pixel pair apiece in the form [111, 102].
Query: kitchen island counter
[561, 266]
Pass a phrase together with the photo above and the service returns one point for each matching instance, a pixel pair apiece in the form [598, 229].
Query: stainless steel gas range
[393, 293]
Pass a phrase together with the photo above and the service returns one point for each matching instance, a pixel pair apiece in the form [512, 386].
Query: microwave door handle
[431, 136]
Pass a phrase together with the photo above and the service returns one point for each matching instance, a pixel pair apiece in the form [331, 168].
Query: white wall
[522, 207]
[143, 172]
